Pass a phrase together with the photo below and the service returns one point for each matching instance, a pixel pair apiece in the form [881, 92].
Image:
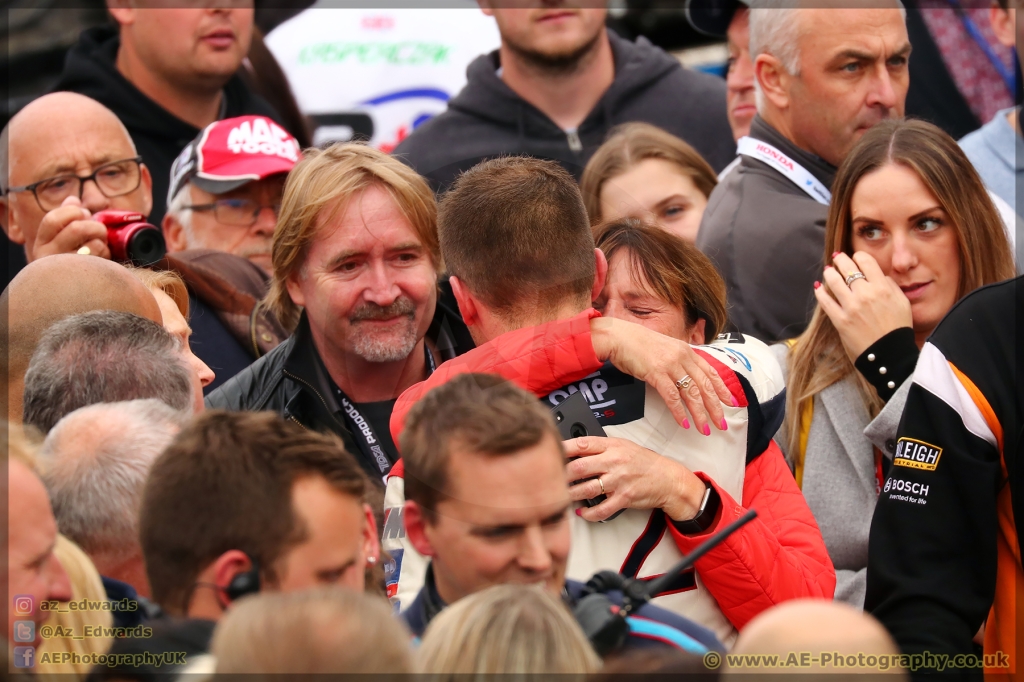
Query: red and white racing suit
[778, 556]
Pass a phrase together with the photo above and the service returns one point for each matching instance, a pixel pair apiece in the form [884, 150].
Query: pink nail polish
[835, 253]
[725, 427]
[817, 284]
[579, 512]
[686, 423]
[707, 430]
[735, 403]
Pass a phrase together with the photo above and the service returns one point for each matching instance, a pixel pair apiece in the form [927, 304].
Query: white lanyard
[797, 174]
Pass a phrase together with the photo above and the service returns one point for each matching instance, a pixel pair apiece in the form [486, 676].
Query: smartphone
[575, 419]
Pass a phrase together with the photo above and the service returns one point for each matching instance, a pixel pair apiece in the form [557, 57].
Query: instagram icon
[24, 604]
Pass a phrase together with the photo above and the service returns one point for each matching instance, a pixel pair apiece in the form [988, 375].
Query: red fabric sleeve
[539, 359]
[780, 555]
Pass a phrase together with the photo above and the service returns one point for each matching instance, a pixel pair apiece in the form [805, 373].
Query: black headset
[247, 582]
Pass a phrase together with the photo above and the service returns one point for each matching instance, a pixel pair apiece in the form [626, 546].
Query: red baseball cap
[229, 153]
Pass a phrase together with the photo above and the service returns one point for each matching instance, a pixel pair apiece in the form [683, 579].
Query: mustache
[371, 311]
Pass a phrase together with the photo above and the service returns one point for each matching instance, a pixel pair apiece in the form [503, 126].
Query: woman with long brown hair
[910, 231]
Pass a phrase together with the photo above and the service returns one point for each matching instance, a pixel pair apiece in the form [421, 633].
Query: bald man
[815, 636]
[64, 135]
[47, 291]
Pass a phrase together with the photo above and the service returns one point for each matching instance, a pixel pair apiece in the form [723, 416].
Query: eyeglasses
[240, 212]
[113, 179]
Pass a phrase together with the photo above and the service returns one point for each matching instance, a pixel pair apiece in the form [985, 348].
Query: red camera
[131, 239]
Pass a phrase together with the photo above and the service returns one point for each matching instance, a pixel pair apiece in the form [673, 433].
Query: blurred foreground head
[326, 630]
[841, 638]
[506, 629]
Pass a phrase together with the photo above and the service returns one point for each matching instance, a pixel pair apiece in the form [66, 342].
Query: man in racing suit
[945, 554]
[779, 556]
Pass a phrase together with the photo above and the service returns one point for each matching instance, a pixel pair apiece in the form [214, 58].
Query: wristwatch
[706, 513]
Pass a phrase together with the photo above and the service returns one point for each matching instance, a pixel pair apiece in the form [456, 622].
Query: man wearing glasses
[68, 157]
[224, 195]
[226, 188]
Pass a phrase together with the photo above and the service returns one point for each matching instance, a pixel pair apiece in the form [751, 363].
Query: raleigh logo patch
[916, 454]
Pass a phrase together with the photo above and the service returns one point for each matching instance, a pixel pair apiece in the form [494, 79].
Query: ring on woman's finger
[854, 276]
[684, 383]
[601, 483]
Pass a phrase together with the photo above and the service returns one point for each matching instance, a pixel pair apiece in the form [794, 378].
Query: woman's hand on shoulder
[866, 310]
[661, 361]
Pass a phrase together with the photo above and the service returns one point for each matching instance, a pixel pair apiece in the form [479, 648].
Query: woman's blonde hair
[168, 282]
[629, 144]
[320, 187]
[512, 629]
[818, 359]
[676, 271]
[321, 630]
[85, 584]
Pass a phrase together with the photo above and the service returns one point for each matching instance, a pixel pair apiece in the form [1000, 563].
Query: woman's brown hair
[629, 144]
[675, 270]
[818, 359]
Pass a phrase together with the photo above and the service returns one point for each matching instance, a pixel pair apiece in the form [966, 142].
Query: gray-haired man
[822, 78]
[97, 459]
[100, 357]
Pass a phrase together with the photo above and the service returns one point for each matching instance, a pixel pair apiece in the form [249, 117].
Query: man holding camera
[68, 157]
[489, 504]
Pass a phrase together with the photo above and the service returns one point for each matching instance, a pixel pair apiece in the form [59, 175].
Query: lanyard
[1007, 74]
[363, 432]
[794, 172]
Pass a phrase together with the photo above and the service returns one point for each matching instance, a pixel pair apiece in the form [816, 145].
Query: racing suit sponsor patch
[916, 454]
[392, 571]
[906, 491]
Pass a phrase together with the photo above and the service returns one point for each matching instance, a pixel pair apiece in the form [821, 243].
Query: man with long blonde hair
[356, 276]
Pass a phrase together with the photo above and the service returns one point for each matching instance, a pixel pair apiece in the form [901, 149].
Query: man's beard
[558, 64]
[388, 345]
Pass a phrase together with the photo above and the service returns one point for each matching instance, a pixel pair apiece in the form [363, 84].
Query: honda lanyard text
[363, 432]
[794, 172]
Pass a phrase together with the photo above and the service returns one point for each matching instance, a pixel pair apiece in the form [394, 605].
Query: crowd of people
[614, 367]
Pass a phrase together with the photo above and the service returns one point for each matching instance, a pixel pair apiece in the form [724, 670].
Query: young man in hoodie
[166, 73]
[558, 83]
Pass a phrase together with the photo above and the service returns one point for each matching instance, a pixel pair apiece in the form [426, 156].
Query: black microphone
[659, 584]
[604, 623]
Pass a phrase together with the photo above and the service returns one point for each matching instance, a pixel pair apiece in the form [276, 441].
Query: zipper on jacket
[310, 387]
[574, 140]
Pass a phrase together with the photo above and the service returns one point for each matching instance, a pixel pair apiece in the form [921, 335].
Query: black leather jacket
[293, 381]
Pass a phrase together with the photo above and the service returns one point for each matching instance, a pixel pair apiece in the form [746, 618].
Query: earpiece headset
[247, 582]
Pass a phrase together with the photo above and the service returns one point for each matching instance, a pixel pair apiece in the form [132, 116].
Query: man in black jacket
[824, 76]
[556, 86]
[356, 266]
[166, 73]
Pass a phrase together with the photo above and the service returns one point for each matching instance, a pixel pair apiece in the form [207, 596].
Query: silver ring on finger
[601, 483]
[854, 276]
[684, 383]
